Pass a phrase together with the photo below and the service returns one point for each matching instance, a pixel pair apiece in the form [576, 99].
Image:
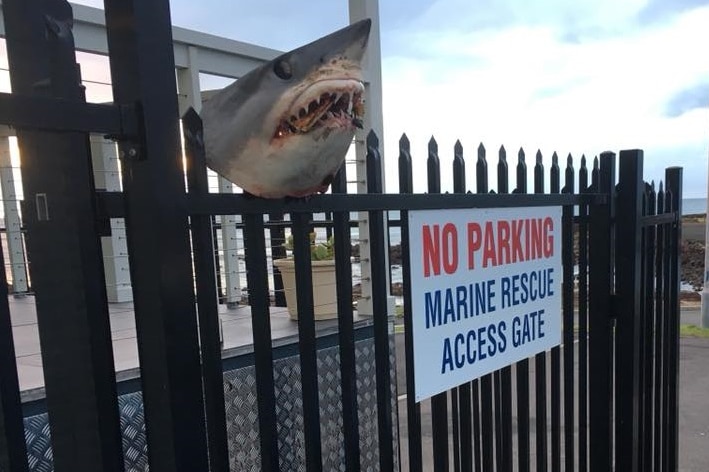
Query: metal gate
[605, 399]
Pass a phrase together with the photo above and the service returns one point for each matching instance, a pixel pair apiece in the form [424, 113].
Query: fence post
[345, 322]
[439, 402]
[379, 304]
[207, 297]
[143, 69]
[673, 178]
[413, 409]
[628, 325]
[600, 320]
[64, 247]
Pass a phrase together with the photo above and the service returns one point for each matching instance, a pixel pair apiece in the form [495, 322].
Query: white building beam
[104, 157]
[373, 120]
[13, 227]
[190, 96]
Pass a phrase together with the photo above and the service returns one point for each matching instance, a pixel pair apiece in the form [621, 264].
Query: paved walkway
[236, 335]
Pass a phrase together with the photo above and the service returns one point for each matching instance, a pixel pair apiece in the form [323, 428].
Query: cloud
[579, 77]
[525, 85]
[696, 96]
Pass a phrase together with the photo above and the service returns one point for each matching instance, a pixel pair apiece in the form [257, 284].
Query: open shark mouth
[329, 104]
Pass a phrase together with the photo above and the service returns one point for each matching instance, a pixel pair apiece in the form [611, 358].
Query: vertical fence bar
[504, 375]
[306, 341]
[555, 404]
[465, 452]
[64, 247]
[143, 70]
[13, 450]
[348, 364]
[377, 236]
[628, 289]
[673, 178]
[482, 186]
[567, 256]
[600, 320]
[522, 367]
[583, 320]
[660, 336]
[648, 333]
[257, 281]
[206, 283]
[487, 426]
[413, 409]
[540, 366]
[667, 372]
[439, 403]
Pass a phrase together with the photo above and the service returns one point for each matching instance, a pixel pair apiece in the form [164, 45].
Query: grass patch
[693, 331]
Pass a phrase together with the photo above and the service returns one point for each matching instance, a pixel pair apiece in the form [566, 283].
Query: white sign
[486, 291]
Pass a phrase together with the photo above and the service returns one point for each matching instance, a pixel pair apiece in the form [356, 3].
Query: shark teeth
[338, 108]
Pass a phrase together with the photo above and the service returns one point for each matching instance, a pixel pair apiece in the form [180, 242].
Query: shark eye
[283, 69]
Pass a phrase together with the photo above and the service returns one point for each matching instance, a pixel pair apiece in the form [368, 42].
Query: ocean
[694, 206]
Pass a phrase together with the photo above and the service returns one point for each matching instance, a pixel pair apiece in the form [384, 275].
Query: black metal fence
[605, 399]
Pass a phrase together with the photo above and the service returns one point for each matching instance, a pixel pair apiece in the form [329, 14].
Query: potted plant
[323, 273]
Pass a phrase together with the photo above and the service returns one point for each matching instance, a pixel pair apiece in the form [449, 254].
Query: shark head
[284, 128]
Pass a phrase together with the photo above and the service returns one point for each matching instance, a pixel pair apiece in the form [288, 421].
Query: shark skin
[283, 129]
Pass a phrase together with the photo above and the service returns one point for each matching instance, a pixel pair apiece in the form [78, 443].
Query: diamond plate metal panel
[39, 447]
[289, 413]
[135, 444]
[242, 417]
[242, 420]
[330, 396]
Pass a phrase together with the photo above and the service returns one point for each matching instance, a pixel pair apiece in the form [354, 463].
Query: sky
[576, 77]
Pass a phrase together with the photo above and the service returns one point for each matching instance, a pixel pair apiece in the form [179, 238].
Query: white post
[15, 247]
[104, 156]
[191, 96]
[373, 120]
[705, 291]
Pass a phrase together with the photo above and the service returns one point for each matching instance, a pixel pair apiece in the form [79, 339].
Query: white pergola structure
[195, 53]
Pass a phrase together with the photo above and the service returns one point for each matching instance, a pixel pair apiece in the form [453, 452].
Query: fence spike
[458, 168]
[502, 172]
[372, 140]
[405, 166]
[458, 148]
[404, 142]
[434, 167]
[432, 145]
[521, 183]
[481, 152]
[538, 173]
[554, 174]
[481, 180]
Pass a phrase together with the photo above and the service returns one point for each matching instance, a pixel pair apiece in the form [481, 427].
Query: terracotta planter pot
[324, 288]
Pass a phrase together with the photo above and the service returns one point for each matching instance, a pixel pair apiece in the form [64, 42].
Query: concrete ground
[235, 325]
[694, 369]
[693, 406]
